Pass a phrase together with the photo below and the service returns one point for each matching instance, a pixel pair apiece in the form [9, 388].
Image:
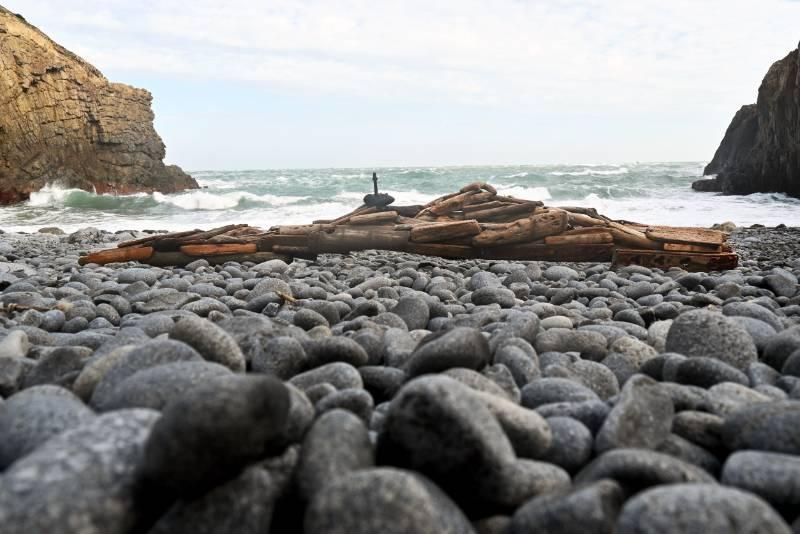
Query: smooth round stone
[382, 382]
[524, 368]
[772, 476]
[770, 426]
[31, 417]
[552, 390]
[702, 428]
[494, 295]
[591, 345]
[689, 452]
[150, 354]
[355, 400]
[243, 505]
[557, 321]
[414, 311]
[641, 418]
[338, 374]
[792, 364]
[82, 480]
[306, 318]
[559, 272]
[483, 279]
[760, 331]
[211, 341]
[137, 274]
[710, 334]
[336, 349]
[459, 347]
[593, 375]
[336, 444]
[59, 366]
[478, 382]
[622, 365]
[706, 372]
[781, 346]
[571, 443]
[593, 508]
[281, 356]
[212, 432]
[728, 397]
[157, 386]
[707, 508]
[439, 427]
[527, 431]
[754, 311]
[15, 345]
[641, 468]
[591, 413]
[385, 500]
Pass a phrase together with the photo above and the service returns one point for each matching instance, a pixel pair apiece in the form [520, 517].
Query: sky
[360, 83]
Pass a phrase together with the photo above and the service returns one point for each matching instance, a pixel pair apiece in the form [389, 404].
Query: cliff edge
[760, 152]
[62, 121]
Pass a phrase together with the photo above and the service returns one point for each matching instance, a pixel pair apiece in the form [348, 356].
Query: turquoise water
[657, 193]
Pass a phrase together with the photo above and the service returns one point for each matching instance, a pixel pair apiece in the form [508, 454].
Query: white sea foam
[204, 200]
[591, 172]
[50, 195]
[530, 193]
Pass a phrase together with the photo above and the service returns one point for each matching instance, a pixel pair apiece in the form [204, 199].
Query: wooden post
[534, 227]
[444, 231]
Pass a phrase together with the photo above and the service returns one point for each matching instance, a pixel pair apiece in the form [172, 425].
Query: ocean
[653, 193]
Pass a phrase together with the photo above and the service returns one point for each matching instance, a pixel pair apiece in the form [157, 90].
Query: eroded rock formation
[62, 121]
[761, 148]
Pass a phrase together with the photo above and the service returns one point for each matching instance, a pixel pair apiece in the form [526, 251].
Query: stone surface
[31, 417]
[642, 417]
[710, 334]
[63, 121]
[212, 432]
[592, 509]
[459, 347]
[707, 508]
[772, 476]
[337, 444]
[81, 481]
[211, 341]
[772, 426]
[386, 500]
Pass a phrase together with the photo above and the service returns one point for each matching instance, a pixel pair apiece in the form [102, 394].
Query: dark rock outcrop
[761, 148]
[62, 121]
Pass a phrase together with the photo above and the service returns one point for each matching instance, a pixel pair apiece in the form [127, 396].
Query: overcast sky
[265, 84]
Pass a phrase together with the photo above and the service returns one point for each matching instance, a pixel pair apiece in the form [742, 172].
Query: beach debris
[474, 222]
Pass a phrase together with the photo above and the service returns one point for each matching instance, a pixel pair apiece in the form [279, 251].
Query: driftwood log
[473, 222]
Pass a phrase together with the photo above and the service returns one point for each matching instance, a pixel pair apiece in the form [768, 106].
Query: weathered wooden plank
[173, 244]
[630, 237]
[682, 247]
[505, 211]
[444, 231]
[691, 236]
[580, 219]
[523, 230]
[690, 261]
[381, 217]
[115, 255]
[299, 229]
[580, 239]
[267, 242]
[349, 238]
[477, 186]
[216, 250]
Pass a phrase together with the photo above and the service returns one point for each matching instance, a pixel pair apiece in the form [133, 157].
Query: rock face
[761, 148]
[62, 121]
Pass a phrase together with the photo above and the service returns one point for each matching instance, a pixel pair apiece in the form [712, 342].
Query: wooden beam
[689, 236]
[217, 250]
[690, 261]
[444, 231]
[116, 255]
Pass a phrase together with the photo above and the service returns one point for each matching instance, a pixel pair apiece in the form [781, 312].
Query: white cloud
[573, 55]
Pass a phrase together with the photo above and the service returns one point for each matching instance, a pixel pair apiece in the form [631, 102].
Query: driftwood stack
[474, 222]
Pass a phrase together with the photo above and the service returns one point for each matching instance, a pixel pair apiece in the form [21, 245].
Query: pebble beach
[395, 393]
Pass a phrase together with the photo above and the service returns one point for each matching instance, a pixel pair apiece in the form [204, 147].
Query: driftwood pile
[475, 222]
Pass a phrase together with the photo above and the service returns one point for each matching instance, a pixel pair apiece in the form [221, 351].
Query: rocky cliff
[62, 121]
[761, 148]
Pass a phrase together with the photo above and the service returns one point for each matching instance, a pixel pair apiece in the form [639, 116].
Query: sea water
[653, 193]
